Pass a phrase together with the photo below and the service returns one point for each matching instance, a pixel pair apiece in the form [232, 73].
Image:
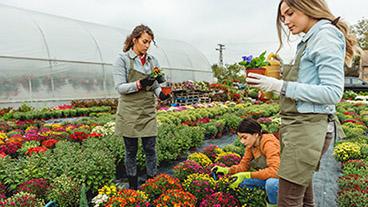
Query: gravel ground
[325, 180]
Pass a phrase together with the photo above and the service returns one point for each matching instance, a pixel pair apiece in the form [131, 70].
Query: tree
[229, 72]
[361, 31]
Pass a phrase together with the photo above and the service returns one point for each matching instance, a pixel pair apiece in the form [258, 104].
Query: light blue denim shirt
[121, 69]
[320, 82]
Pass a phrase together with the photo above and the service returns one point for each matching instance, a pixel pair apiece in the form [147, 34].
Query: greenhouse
[45, 57]
[242, 135]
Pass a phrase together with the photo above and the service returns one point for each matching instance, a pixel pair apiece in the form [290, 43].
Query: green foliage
[210, 129]
[236, 149]
[232, 121]
[174, 141]
[92, 163]
[237, 143]
[249, 197]
[64, 191]
[25, 108]
[28, 145]
[83, 202]
[228, 73]
[256, 62]
[353, 131]
[23, 199]
[15, 172]
[352, 198]
[349, 95]
[361, 31]
[355, 167]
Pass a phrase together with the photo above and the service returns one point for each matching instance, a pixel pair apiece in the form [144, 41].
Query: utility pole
[221, 59]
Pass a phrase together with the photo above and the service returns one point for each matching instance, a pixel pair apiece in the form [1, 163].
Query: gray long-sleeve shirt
[121, 69]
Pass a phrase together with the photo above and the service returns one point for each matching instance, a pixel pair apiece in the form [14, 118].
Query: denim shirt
[320, 82]
[121, 69]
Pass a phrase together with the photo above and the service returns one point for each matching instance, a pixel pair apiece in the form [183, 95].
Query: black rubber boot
[133, 182]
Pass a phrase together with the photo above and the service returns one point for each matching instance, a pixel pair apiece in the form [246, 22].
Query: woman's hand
[240, 177]
[218, 169]
[265, 83]
[145, 82]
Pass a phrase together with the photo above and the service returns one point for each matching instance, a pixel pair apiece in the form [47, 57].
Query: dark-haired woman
[262, 154]
[136, 115]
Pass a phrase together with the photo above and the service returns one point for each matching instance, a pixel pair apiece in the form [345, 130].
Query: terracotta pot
[166, 90]
[261, 71]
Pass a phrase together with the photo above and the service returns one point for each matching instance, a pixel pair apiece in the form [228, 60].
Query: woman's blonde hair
[317, 9]
[136, 34]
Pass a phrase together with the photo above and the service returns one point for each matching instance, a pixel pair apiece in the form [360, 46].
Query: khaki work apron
[258, 163]
[302, 135]
[136, 114]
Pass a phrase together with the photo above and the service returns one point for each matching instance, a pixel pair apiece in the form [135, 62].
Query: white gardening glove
[265, 83]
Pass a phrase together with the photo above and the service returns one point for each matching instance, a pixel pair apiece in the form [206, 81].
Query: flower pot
[273, 71]
[260, 71]
[166, 90]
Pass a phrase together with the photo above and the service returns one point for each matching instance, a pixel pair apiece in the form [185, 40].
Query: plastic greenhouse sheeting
[45, 57]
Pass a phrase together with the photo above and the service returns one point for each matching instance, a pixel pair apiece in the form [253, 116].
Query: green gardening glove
[239, 178]
[218, 169]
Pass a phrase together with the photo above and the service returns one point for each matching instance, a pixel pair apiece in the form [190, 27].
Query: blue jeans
[271, 186]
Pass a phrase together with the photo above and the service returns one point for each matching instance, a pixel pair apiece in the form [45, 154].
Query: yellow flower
[3, 136]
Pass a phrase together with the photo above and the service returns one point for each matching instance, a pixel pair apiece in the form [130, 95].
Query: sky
[244, 26]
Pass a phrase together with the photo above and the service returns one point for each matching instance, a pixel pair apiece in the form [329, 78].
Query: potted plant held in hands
[158, 75]
[255, 64]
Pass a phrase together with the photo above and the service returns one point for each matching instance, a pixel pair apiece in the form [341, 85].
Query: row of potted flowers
[190, 185]
[352, 151]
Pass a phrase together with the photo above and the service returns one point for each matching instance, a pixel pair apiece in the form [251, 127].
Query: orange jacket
[270, 148]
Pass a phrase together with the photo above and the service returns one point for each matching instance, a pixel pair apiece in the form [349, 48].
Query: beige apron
[302, 135]
[136, 114]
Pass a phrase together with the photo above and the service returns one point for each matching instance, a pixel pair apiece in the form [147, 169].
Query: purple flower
[248, 59]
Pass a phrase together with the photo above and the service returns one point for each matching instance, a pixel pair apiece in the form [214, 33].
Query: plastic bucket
[166, 90]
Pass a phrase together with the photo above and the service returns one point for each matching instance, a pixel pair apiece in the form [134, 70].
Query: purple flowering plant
[219, 199]
[200, 185]
[188, 167]
[254, 62]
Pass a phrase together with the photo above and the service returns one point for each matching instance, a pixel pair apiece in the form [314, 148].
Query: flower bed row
[352, 151]
[191, 185]
[71, 155]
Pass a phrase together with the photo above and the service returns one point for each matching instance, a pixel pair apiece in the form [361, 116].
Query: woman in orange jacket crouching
[262, 157]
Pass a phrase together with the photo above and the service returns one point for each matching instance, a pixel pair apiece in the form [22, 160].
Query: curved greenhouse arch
[46, 58]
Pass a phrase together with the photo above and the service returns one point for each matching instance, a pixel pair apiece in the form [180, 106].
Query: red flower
[49, 143]
[64, 107]
[10, 148]
[2, 154]
[32, 150]
[79, 136]
[94, 134]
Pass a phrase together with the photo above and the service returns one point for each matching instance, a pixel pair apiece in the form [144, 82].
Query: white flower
[100, 199]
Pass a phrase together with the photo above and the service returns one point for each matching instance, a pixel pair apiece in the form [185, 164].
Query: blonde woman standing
[310, 90]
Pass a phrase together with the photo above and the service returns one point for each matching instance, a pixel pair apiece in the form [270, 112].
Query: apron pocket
[309, 156]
